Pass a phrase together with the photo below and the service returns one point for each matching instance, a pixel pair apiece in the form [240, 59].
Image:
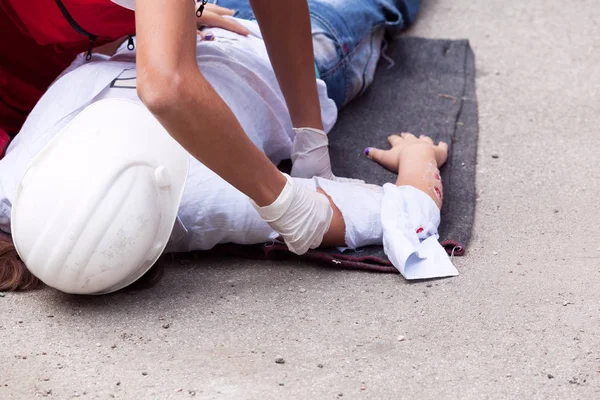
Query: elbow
[160, 89]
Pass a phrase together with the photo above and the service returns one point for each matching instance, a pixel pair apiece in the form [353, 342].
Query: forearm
[418, 168]
[285, 27]
[174, 90]
[336, 235]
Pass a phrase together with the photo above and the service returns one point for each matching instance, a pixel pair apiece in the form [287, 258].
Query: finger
[208, 36]
[217, 21]
[443, 146]
[394, 140]
[407, 135]
[441, 153]
[218, 9]
[385, 158]
[426, 138]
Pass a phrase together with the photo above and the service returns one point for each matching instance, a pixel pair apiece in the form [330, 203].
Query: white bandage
[310, 156]
[360, 206]
[300, 215]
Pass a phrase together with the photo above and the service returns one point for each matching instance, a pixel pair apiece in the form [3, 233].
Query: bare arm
[415, 159]
[285, 27]
[172, 87]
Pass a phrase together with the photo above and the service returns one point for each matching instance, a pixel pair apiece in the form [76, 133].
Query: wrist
[270, 191]
[308, 121]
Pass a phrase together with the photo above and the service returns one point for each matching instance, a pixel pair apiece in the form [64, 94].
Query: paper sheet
[410, 220]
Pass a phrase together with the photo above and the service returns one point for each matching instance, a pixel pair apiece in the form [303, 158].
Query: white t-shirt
[237, 67]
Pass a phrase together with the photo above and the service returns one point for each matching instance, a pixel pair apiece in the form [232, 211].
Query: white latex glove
[299, 215]
[310, 156]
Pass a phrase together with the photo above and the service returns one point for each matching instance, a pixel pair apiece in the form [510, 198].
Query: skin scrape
[434, 180]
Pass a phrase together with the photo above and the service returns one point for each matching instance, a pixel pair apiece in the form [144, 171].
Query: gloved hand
[299, 215]
[310, 156]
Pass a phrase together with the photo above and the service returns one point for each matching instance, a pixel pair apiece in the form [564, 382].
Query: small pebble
[279, 360]
[495, 156]
[191, 393]
[2, 294]
[495, 253]
[363, 388]
[97, 344]
[282, 384]
[401, 338]
[178, 390]
[508, 375]
[319, 365]
[429, 285]
[565, 303]
[340, 394]
[20, 321]
[166, 326]
[302, 290]
[114, 346]
[550, 376]
[118, 383]
[144, 373]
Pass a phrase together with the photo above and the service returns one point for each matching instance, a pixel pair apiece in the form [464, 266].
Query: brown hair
[15, 276]
[13, 273]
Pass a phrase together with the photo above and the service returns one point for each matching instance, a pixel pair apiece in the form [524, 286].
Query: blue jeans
[347, 38]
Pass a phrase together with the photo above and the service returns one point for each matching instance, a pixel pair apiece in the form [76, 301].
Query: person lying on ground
[210, 210]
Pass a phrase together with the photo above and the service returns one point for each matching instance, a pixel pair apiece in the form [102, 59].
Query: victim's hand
[402, 145]
[215, 16]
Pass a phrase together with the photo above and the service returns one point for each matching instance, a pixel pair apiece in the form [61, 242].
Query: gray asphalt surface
[521, 321]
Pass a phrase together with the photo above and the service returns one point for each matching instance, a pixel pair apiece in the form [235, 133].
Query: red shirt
[38, 41]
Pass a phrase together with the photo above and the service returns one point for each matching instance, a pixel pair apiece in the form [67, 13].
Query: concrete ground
[521, 321]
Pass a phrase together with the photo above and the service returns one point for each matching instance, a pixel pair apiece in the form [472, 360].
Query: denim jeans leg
[347, 38]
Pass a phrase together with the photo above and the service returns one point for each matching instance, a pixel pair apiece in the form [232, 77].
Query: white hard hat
[96, 208]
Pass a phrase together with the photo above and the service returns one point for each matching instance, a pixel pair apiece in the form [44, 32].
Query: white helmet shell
[97, 206]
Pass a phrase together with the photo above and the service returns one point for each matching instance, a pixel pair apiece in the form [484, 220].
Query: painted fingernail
[367, 150]
[210, 36]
